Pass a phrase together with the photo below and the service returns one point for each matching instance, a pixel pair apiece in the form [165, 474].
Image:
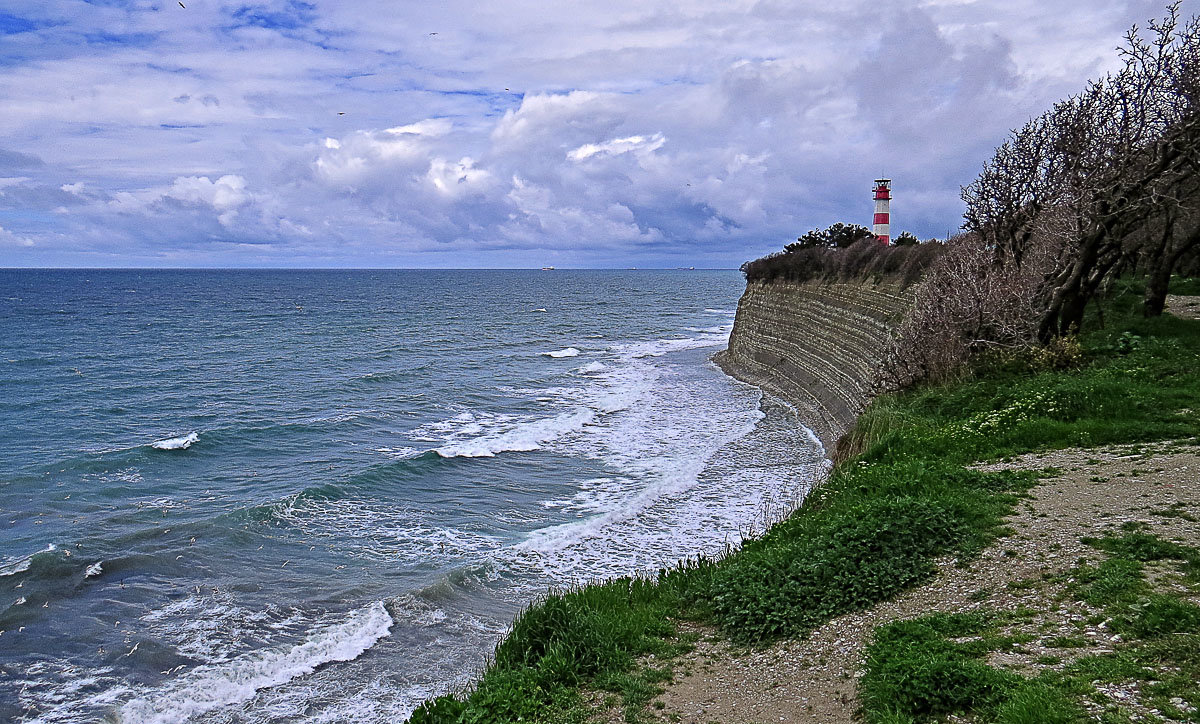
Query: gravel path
[1181, 306]
[1094, 492]
[813, 680]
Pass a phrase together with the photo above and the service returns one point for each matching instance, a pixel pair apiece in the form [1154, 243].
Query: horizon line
[363, 268]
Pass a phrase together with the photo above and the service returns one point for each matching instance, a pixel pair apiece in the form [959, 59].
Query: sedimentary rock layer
[817, 345]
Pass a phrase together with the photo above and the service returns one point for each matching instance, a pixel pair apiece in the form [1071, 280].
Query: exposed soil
[813, 680]
[1181, 306]
[1092, 493]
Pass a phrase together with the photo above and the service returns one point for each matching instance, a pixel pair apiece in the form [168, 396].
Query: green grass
[1188, 287]
[922, 669]
[873, 530]
[925, 668]
[916, 671]
[1142, 547]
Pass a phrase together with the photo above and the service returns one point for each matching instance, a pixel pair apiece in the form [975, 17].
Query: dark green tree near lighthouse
[838, 236]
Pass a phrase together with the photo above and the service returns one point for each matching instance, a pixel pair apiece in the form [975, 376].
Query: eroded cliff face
[817, 345]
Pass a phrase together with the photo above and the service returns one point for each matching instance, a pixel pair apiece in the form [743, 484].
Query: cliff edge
[817, 345]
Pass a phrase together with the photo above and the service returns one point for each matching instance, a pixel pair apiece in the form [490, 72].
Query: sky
[443, 133]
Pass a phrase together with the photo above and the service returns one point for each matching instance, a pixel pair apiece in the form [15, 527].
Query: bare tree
[967, 303]
[1098, 168]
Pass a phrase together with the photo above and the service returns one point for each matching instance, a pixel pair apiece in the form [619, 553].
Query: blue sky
[396, 133]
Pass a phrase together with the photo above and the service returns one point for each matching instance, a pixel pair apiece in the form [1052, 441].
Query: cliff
[817, 345]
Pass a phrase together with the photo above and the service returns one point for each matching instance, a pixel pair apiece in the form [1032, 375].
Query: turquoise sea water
[268, 496]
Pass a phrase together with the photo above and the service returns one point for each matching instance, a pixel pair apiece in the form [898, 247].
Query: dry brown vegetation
[866, 259]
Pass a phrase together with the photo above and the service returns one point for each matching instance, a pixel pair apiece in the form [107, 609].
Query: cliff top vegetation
[845, 252]
[1101, 187]
[912, 496]
[1102, 184]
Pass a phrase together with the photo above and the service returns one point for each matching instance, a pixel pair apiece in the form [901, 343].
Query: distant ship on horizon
[547, 268]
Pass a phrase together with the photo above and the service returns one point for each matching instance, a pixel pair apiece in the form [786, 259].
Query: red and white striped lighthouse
[883, 211]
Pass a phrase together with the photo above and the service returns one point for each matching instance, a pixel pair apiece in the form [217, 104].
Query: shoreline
[912, 503]
[819, 431]
[1053, 540]
[817, 678]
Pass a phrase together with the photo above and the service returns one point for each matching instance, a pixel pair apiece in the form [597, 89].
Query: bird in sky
[182, 5]
[341, 113]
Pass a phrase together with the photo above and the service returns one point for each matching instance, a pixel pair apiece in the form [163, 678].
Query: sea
[323, 496]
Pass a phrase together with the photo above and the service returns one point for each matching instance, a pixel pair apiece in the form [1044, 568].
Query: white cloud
[617, 146]
[642, 130]
[456, 179]
[10, 239]
[427, 127]
[224, 194]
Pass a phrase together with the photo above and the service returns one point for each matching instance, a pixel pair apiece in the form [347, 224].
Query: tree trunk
[1070, 319]
[1076, 286]
[1156, 288]
[1159, 281]
[1068, 297]
[1159, 263]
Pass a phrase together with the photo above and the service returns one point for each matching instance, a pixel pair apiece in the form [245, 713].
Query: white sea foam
[711, 337]
[433, 649]
[211, 627]
[211, 686]
[400, 453]
[371, 530]
[462, 426]
[685, 443]
[94, 570]
[65, 693]
[592, 368]
[182, 442]
[559, 353]
[812, 436]
[522, 438]
[18, 566]
[698, 468]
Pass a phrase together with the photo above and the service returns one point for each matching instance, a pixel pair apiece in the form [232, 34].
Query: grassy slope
[873, 530]
[922, 669]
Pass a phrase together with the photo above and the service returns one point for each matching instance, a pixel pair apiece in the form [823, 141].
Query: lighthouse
[883, 211]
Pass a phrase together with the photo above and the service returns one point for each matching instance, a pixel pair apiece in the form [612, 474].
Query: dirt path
[1096, 492]
[813, 680]
[1181, 306]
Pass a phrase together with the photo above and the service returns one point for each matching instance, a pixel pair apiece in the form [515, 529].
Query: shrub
[966, 304]
[914, 670]
[861, 261]
[879, 537]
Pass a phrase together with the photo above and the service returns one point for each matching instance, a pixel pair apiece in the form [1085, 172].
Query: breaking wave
[182, 442]
[209, 687]
[592, 368]
[19, 565]
[522, 438]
